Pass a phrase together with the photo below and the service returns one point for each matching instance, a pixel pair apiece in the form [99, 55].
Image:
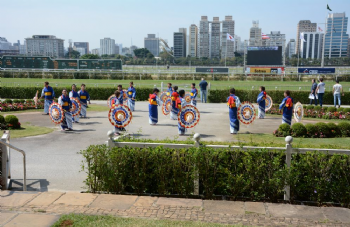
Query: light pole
[245, 42]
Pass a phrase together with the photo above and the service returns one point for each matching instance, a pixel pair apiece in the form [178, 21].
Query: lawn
[98, 108]
[29, 130]
[270, 85]
[79, 220]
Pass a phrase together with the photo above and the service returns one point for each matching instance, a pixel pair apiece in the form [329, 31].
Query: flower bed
[19, 105]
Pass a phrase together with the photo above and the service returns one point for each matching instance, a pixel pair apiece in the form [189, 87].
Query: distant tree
[90, 56]
[73, 54]
[141, 52]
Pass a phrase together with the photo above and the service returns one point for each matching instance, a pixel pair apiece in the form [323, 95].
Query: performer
[233, 103]
[74, 94]
[287, 107]
[153, 107]
[194, 93]
[174, 110]
[120, 89]
[180, 102]
[84, 98]
[118, 99]
[261, 102]
[66, 104]
[49, 94]
[169, 91]
[131, 96]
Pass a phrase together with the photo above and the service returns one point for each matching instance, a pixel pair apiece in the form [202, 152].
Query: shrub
[299, 130]
[12, 121]
[317, 108]
[346, 110]
[312, 130]
[9, 101]
[341, 109]
[284, 129]
[2, 119]
[16, 101]
[310, 107]
[333, 130]
[22, 101]
[322, 129]
[332, 109]
[325, 109]
[344, 128]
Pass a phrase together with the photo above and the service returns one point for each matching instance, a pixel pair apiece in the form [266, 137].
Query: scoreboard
[264, 55]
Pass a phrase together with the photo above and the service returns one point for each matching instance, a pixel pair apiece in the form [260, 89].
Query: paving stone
[75, 199]
[179, 202]
[295, 211]
[254, 207]
[45, 199]
[145, 201]
[15, 199]
[120, 202]
[5, 217]
[224, 207]
[30, 220]
[337, 214]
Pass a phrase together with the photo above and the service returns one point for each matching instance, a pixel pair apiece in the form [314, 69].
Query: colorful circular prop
[56, 113]
[109, 100]
[268, 103]
[246, 113]
[125, 95]
[166, 107]
[163, 97]
[298, 112]
[76, 106]
[120, 116]
[188, 116]
[188, 98]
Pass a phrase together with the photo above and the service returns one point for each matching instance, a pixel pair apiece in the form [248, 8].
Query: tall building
[81, 50]
[239, 45]
[336, 39]
[276, 39]
[4, 44]
[84, 45]
[193, 41]
[255, 35]
[95, 51]
[204, 37]
[117, 49]
[304, 26]
[151, 43]
[228, 26]
[125, 51]
[180, 43]
[107, 46]
[290, 50]
[23, 48]
[215, 36]
[45, 45]
[349, 48]
[312, 47]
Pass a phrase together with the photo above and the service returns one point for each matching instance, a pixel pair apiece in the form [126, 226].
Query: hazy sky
[91, 20]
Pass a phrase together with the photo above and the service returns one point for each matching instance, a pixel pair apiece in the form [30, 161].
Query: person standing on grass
[287, 107]
[203, 86]
[194, 93]
[337, 90]
[233, 103]
[84, 99]
[74, 94]
[66, 104]
[261, 102]
[131, 96]
[174, 110]
[49, 94]
[320, 91]
[153, 107]
[118, 99]
[313, 92]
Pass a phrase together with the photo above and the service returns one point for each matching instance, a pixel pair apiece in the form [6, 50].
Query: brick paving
[15, 207]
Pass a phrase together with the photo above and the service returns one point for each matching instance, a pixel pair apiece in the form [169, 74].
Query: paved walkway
[44, 208]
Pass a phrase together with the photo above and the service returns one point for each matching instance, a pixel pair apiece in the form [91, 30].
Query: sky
[129, 21]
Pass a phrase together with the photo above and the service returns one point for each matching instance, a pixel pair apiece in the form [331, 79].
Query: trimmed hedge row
[255, 175]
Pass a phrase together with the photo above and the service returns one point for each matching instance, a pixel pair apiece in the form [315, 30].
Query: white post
[289, 148]
[161, 86]
[196, 138]
[226, 52]
[324, 41]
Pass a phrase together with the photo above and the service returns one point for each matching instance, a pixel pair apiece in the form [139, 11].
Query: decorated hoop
[298, 112]
[120, 116]
[163, 97]
[188, 116]
[246, 113]
[76, 106]
[125, 95]
[268, 103]
[188, 98]
[166, 107]
[109, 100]
[56, 113]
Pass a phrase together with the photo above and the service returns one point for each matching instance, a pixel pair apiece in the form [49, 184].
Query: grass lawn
[22, 111]
[76, 220]
[98, 108]
[29, 130]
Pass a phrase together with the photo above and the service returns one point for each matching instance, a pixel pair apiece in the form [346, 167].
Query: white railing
[289, 150]
[6, 147]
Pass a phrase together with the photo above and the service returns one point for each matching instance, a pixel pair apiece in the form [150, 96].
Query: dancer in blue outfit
[74, 94]
[233, 103]
[66, 104]
[287, 107]
[261, 102]
[49, 94]
[131, 96]
[194, 93]
[180, 102]
[153, 107]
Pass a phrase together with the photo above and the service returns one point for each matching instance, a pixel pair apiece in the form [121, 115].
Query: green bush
[344, 128]
[346, 110]
[310, 107]
[322, 129]
[333, 130]
[317, 108]
[312, 130]
[2, 120]
[12, 121]
[22, 101]
[325, 109]
[341, 109]
[16, 101]
[299, 130]
[332, 109]
[8, 101]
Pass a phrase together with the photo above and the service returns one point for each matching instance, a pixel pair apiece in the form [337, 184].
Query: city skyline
[89, 21]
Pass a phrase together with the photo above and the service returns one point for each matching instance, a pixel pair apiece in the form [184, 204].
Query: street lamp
[245, 45]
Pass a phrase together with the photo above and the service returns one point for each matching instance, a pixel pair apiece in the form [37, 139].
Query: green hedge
[256, 175]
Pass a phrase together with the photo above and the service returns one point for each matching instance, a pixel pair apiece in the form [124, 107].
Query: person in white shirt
[337, 90]
[320, 90]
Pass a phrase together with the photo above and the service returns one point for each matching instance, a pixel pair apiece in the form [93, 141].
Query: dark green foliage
[332, 109]
[284, 128]
[325, 109]
[346, 110]
[341, 109]
[12, 121]
[8, 101]
[312, 130]
[344, 128]
[299, 130]
[2, 119]
[317, 108]
[334, 130]
[310, 107]
[322, 129]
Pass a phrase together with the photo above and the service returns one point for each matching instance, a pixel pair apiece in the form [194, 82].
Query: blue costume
[287, 106]
[49, 94]
[262, 104]
[74, 94]
[84, 98]
[116, 101]
[174, 110]
[66, 104]
[194, 93]
[169, 91]
[153, 109]
[180, 102]
[233, 103]
[131, 98]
